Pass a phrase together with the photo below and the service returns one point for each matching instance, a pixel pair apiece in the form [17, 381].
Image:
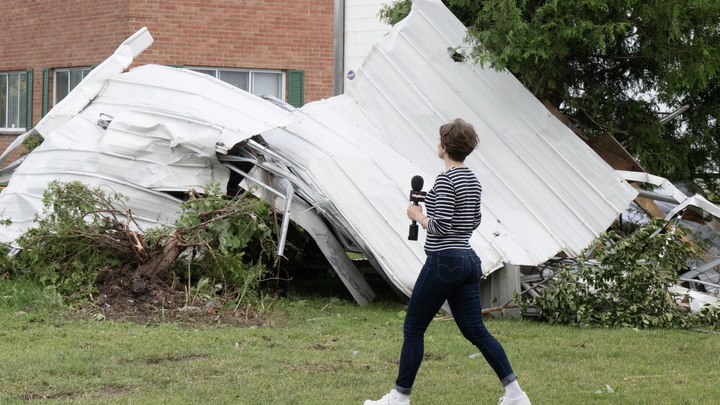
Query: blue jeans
[452, 275]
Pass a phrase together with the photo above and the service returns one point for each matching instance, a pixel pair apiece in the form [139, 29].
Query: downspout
[339, 48]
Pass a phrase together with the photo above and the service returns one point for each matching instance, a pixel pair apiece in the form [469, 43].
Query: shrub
[623, 282]
[230, 239]
[75, 238]
[83, 232]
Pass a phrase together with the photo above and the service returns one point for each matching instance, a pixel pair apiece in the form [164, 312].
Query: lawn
[327, 350]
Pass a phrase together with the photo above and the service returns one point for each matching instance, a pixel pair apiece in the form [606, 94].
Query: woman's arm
[444, 210]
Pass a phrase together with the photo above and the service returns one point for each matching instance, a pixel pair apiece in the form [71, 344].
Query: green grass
[330, 351]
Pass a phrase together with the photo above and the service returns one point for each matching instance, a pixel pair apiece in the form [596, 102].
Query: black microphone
[416, 196]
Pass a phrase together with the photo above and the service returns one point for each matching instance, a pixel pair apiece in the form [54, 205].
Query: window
[66, 80]
[258, 82]
[13, 100]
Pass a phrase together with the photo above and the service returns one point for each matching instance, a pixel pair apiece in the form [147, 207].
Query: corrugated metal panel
[544, 188]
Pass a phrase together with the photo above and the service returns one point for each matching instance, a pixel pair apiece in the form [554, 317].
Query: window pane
[3, 101]
[267, 83]
[13, 100]
[237, 79]
[62, 83]
[75, 77]
[22, 100]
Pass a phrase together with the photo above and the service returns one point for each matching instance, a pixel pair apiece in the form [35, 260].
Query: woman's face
[440, 148]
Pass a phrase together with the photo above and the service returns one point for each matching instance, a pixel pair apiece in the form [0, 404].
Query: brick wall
[277, 34]
[5, 141]
[60, 33]
[260, 34]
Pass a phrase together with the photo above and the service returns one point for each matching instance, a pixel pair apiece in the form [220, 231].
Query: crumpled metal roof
[350, 158]
[545, 190]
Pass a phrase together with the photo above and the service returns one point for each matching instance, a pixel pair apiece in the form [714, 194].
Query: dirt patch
[157, 300]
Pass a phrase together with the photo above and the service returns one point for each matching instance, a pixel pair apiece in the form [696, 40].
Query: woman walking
[451, 271]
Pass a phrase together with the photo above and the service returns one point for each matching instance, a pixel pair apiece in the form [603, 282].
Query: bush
[230, 239]
[76, 237]
[84, 232]
[623, 282]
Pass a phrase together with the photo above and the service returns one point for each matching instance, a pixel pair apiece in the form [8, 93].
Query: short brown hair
[459, 139]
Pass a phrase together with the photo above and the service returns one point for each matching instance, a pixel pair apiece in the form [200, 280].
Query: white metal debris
[350, 158]
[545, 190]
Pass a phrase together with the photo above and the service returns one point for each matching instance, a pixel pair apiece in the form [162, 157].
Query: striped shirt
[453, 205]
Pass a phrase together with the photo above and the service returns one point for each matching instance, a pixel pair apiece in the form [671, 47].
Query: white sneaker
[522, 400]
[392, 398]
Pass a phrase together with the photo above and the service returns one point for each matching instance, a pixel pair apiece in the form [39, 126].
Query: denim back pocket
[477, 265]
[449, 268]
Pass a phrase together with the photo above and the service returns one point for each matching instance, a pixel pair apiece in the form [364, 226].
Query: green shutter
[29, 105]
[175, 66]
[45, 91]
[296, 87]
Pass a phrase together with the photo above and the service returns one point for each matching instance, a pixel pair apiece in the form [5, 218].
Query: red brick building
[281, 47]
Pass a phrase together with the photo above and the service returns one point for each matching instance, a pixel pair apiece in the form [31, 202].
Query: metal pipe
[674, 114]
[707, 266]
[339, 48]
[298, 173]
[272, 169]
[657, 196]
[258, 182]
[288, 200]
[694, 281]
[306, 193]
[257, 147]
[289, 193]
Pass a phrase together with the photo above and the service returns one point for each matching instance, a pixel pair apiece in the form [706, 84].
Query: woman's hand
[415, 213]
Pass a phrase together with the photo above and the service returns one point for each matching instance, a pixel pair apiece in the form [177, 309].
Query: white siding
[362, 29]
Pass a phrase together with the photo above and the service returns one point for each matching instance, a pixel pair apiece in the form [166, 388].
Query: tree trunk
[161, 262]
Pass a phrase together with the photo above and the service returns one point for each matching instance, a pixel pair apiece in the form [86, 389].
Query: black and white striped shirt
[453, 205]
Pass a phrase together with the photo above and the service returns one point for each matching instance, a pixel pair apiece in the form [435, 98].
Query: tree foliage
[612, 66]
[31, 142]
[624, 282]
